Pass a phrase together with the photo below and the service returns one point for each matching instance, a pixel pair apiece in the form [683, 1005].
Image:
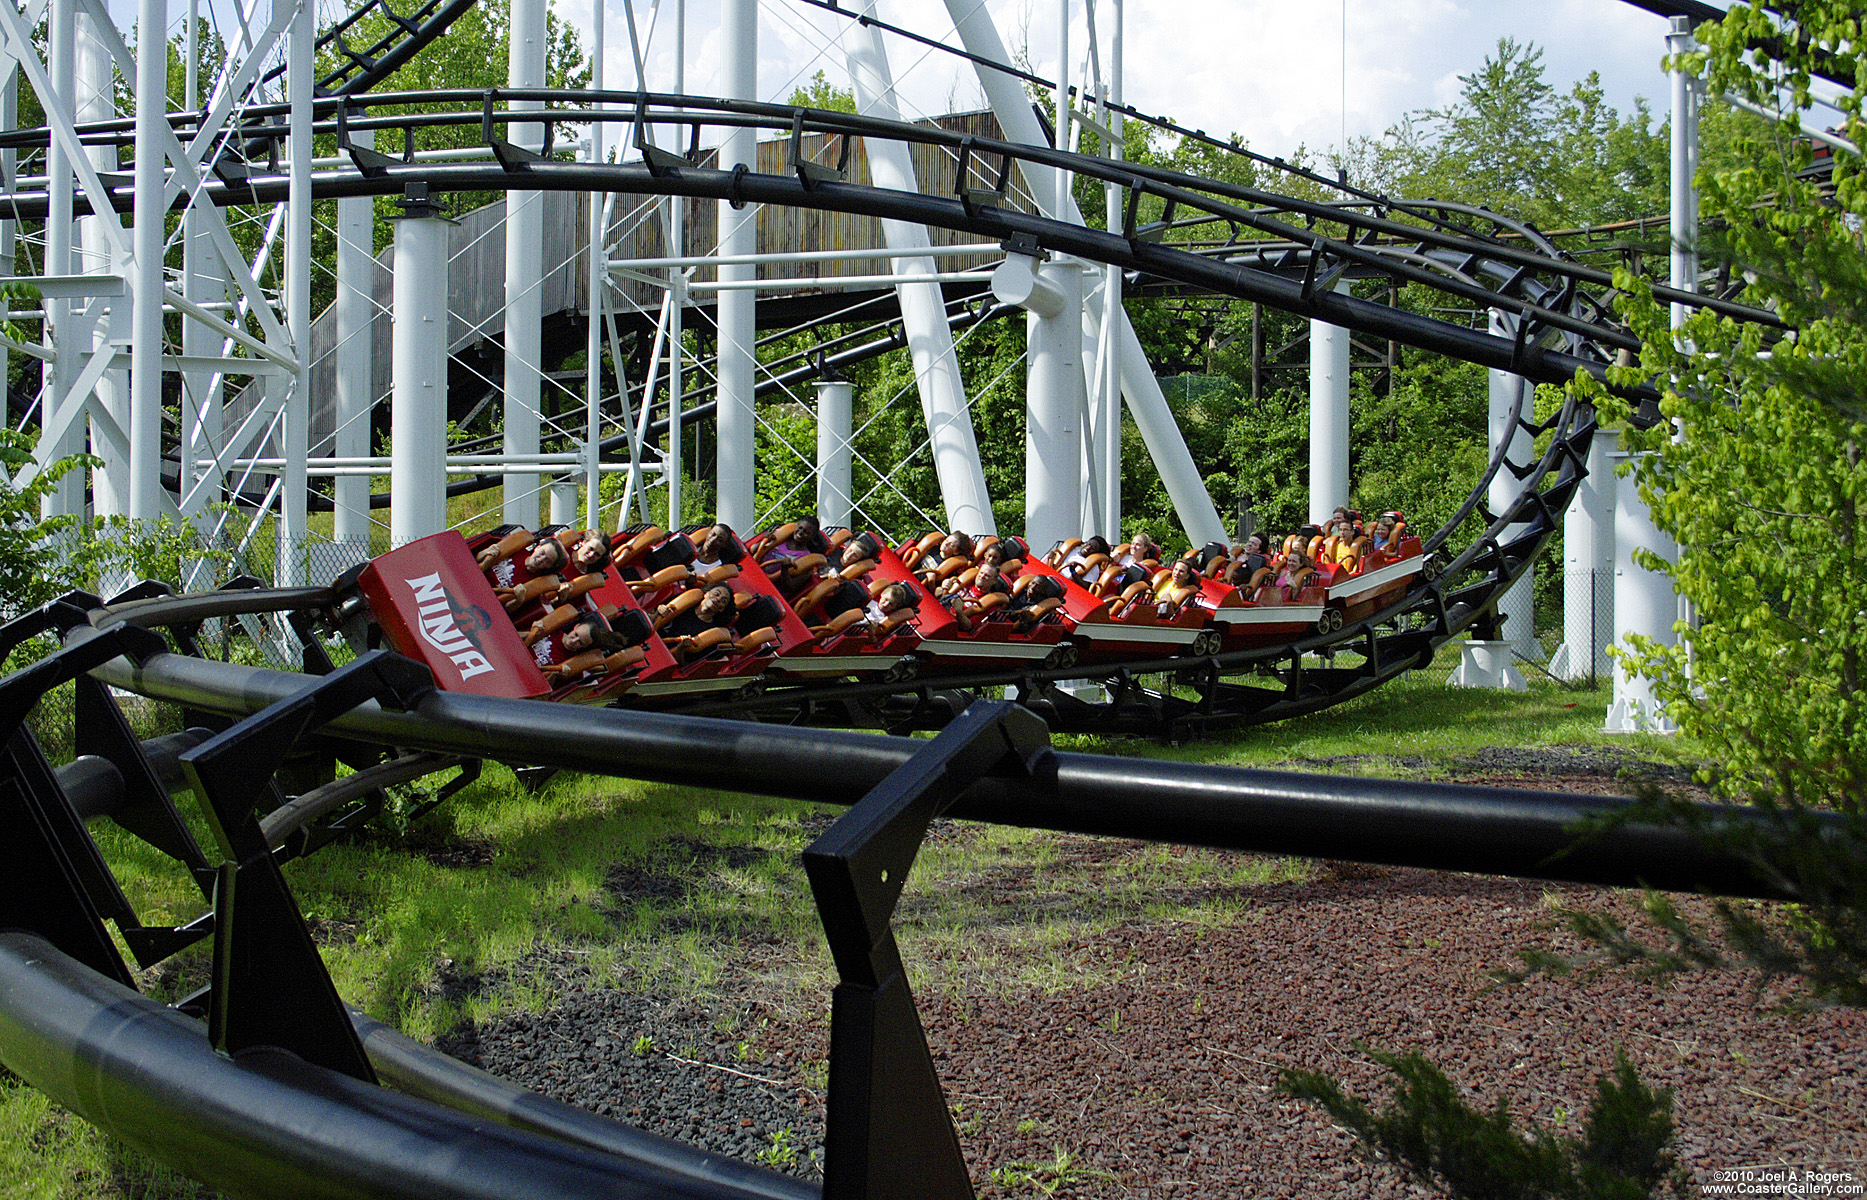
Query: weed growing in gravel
[1048, 1178]
[781, 1153]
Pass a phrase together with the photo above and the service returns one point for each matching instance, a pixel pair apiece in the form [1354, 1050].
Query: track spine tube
[1394, 822]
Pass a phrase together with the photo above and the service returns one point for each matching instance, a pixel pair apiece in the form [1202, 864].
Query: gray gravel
[672, 1067]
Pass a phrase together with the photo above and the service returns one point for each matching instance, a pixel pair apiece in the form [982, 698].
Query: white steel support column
[418, 404]
[1328, 417]
[834, 417]
[68, 495]
[1178, 473]
[1588, 569]
[1645, 603]
[96, 101]
[355, 366]
[1686, 93]
[677, 299]
[1051, 292]
[593, 342]
[294, 430]
[677, 296]
[152, 95]
[736, 420]
[524, 264]
[9, 119]
[564, 507]
[923, 307]
[1517, 609]
[1684, 205]
[1107, 458]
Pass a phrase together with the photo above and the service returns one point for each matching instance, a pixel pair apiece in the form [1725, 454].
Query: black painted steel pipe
[264, 1122]
[92, 784]
[1494, 831]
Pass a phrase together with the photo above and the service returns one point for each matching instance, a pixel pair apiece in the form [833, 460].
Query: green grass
[48, 1154]
[426, 946]
[1417, 715]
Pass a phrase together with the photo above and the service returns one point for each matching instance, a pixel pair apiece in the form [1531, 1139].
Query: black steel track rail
[1283, 217]
[254, 1118]
[1382, 645]
[1533, 361]
[1401, 823]
[1402, 637]
[1827, 66]
[266, 1122]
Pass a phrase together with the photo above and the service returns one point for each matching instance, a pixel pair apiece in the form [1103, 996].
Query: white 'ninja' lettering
[440, 630]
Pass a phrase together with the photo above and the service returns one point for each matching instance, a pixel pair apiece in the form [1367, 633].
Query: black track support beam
[52, 879]
[270, 987]
[147, 810]
[889, 1131]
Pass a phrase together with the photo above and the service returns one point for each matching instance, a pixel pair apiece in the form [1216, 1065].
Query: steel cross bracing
[96, 335]
[1188, 695]
[101, 334]
[1556, 297]
[1280, 251]
[1404, 241]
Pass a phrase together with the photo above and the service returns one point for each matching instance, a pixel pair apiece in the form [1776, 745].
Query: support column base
[1487, 665]
[1569, 664]
[1637, 714]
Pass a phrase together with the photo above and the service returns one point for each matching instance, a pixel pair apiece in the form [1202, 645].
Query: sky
[1282, 75]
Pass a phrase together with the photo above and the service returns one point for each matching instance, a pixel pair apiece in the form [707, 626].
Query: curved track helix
[266, 1083]
[1184, 696]
[1549, 301]
[1278, 250]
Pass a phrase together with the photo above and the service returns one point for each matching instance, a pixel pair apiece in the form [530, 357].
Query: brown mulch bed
[1155, 1074]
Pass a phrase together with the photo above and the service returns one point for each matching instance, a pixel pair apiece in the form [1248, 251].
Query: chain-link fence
[258, 639]
[1587, 627]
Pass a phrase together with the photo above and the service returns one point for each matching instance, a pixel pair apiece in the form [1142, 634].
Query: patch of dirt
[332, 932]
[676, 1067]
[446, 850]
[677, 870]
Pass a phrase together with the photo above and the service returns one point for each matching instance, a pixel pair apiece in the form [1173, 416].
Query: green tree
[1758, 475]
[1514, 144]
[821, 93]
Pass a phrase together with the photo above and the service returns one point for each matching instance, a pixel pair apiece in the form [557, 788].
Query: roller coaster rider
[719, 548]
[1252, 564]
[1294, 574]
[1032, 601]
[590, 553]
[1077, 565]
[1142, 549]
[894, 598]
[935, 568]
[1181, 585]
